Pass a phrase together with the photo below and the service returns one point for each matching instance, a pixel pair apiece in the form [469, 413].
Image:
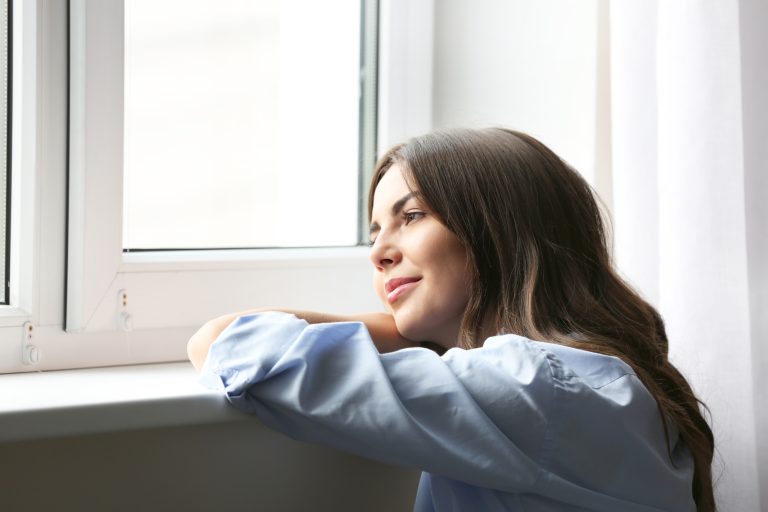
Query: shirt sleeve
[479, 416]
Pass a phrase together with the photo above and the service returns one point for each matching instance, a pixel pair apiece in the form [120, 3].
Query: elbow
[200, 342]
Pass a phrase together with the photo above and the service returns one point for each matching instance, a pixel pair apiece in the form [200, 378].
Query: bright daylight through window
[242, 124]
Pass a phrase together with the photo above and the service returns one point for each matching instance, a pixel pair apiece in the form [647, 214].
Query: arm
[475, 416]
[381, 327]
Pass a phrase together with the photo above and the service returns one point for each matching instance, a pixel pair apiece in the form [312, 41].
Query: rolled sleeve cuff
[247, 349]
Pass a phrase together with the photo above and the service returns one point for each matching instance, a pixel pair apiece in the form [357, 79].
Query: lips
[398, 286]
[390, 285]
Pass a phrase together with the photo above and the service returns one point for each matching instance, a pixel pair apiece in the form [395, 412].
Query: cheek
[461, 295]
[453, 264]
[455, 283]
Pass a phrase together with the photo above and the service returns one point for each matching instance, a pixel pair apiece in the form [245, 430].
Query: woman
[483, 241]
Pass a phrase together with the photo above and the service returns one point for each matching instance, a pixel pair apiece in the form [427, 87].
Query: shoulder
[585, 395]
[566, 363]
[604, 426]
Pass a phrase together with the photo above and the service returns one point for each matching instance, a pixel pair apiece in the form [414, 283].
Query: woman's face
[420, 267]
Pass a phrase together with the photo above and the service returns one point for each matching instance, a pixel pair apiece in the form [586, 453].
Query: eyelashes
[408, 217]
[412, 215]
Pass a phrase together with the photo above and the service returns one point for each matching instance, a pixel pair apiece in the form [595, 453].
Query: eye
[412, 215]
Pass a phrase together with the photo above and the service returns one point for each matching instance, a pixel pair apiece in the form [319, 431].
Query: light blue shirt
[513, 425]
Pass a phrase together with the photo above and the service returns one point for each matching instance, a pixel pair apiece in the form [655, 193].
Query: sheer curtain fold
[680, 210]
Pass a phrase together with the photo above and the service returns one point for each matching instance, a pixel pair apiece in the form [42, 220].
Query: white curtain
[689, 99]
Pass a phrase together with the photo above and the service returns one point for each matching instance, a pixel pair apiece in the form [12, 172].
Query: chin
[425, 324]
[410, 330]
[416, 329]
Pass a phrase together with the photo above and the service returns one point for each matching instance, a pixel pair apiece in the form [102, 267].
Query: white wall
[530, 66]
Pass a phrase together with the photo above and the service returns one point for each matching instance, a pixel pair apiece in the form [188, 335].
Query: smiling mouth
[397, 287]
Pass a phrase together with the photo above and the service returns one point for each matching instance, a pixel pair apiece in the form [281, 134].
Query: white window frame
[23, 169]
[27, 157]
[406, 40]
[137, 308]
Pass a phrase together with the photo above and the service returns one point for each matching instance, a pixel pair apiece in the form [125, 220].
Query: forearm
[381, 327]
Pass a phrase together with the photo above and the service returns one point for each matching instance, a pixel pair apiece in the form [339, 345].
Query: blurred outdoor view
[241, 123]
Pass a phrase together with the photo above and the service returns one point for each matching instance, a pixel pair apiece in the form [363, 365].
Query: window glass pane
[5, 87]
[241, 123]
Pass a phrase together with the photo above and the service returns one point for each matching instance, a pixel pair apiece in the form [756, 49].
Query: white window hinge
[30, 353]
[124, 319]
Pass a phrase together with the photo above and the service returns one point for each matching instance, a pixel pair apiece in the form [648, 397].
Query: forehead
[390, 188]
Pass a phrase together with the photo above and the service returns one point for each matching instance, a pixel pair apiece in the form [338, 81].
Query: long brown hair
[540, 263]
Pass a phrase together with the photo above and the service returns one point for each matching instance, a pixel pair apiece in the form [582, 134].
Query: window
[193, 285]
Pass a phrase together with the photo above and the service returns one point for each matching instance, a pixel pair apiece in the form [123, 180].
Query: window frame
[25, 115]
[132, 308]
[38, 169]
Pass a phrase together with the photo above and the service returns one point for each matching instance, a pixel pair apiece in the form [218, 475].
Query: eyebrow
[395, 209]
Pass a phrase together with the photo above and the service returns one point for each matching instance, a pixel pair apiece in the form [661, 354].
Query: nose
[384, 252]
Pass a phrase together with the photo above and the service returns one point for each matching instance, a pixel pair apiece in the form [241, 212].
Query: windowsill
[96, 400]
